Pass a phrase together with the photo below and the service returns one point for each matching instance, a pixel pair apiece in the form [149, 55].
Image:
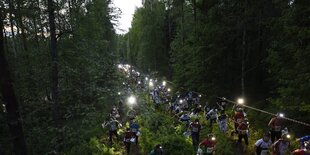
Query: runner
[127, 139]
[262, 146]
[302, 141]
[238, 118]
[209, 145]
[212, 115]
[243, 130]
[275, 125]
[195, 128]
[114, 125]
[223, 122]
[134, 127]
[281, 146]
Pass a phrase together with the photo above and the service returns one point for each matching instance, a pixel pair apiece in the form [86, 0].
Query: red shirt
[242, 128]
[275, 122]
[238, 116]
[300, 152]
[128, 135]
[208, 143]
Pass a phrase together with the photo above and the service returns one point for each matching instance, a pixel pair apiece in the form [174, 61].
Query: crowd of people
[186, 106]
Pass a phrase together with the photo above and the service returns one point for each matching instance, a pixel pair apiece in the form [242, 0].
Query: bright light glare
[240, 101]
[200, 95]
[139, 82]
[164, 83]
[288, 136]
[151, 79]
[146, 78]
[132, 100]
[281, 115]
[213, 138]
[151, 84]
[181, 101]
[119, 66]
[169, 90]
[119, 93]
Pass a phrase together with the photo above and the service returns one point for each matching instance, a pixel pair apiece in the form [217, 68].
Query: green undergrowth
[157, 128]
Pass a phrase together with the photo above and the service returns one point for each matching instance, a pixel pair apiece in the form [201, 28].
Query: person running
[223, 122]
[195, 128]
[209, 145]
[222, 106]
[212, 115]
[134, 127]
[238, 118]
[243, 130]
[127, 139]
[282, 145]
[275, 125]
[302, 141]
[186, 119]
[206, 108]
[114, 124]
[158, 150]
[262, 146]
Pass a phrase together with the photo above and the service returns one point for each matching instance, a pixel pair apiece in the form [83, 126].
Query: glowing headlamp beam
[164, 83]
[240, 101]
[151, 84]
[132, 100]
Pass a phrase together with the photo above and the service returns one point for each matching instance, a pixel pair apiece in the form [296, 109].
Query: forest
[61, 71]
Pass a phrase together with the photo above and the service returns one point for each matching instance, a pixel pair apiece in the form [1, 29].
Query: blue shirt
[134, 126]
[304, 139]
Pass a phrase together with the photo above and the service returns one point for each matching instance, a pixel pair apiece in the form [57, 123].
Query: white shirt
[265, 145]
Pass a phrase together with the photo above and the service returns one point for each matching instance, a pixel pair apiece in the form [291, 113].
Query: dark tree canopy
[59, 76]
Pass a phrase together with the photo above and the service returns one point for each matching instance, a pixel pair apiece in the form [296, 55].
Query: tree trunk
[11, 6]
[195, 15]
[243, 62]
[22, 27]
[9, 97]
[182, 23]
[53, 50]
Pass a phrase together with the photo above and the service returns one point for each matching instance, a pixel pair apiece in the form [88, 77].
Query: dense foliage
[86, 72]
[62, 57]
[256, 49]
